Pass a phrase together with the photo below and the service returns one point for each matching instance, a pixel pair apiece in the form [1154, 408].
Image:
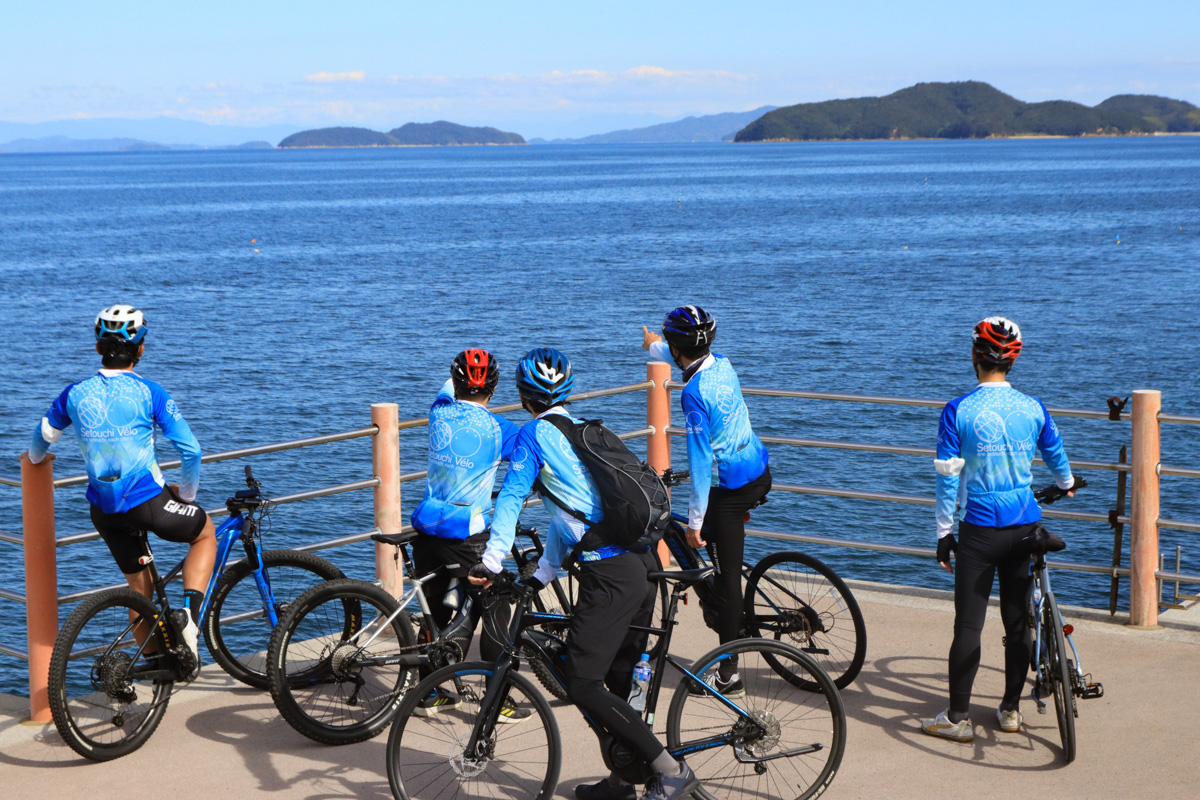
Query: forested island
[969, 110]
[414, 134]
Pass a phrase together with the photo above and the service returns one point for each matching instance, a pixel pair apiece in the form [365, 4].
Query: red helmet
[997, 341]
[475, 371]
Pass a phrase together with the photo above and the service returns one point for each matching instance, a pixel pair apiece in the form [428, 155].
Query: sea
[287, 291]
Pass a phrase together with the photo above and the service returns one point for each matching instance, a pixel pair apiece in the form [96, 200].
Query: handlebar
[672, 478]
[1051, 494]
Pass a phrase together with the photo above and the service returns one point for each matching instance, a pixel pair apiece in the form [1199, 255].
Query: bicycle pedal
[1092, 691]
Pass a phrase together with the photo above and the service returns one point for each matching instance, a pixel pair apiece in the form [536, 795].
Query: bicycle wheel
[102, 708]
[426, 757]
[1057, 671]
[786, 741]
[237, 630]
[796, 598]
[327, 664]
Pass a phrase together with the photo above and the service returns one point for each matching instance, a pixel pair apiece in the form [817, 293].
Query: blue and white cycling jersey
[543, 452]
[466, 445]
[114, 413]
[718, 429]
[986, 442]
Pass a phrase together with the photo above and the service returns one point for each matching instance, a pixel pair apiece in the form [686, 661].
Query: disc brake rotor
[768, 740]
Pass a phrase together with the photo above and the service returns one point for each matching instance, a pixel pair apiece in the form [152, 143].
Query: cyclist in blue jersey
[986, 443]
[114, 413]
[718, 433]
[614, 591]
[466, 445]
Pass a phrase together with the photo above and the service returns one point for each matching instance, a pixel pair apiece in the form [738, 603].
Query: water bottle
[641, 684]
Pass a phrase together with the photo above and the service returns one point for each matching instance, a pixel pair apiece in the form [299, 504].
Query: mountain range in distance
[65, 144]
[707, 128]
[413, 134]
[968, 110]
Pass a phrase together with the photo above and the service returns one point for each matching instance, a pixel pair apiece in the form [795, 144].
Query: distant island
[969, 110]
[64, 144]
[707, 128]
[414, 134]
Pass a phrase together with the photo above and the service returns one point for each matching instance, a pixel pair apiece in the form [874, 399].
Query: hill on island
[967, 110]
[707, 128]
[412, 134]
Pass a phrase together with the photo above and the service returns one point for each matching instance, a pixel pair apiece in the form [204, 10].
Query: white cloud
[336, 77]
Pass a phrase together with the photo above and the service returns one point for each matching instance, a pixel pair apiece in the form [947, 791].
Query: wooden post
[658, 417]
[1143, 529]
[385, 463]
[41, 579]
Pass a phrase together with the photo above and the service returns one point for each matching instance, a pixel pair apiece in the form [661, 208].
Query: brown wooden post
[385, 463]
[658, 417]
[1143, 529]
[41, 579]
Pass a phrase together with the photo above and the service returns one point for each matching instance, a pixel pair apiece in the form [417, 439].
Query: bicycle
[1056, 672]
[341, 660]
[119, 654]
[789, 596]
[777, 734]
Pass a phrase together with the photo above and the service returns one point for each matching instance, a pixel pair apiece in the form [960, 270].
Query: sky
[564, 68]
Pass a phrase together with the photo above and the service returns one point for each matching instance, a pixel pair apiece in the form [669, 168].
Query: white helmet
[123, 323]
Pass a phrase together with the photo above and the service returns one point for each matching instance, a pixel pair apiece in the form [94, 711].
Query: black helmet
[544, 376]
[475, 371]
[689, 327]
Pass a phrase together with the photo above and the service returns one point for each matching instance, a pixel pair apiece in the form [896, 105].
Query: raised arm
[50, 429]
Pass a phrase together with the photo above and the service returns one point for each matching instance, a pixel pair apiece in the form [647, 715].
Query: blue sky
[562, 68]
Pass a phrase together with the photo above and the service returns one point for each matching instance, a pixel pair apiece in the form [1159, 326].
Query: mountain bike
[778, 738]
[341, 660]
[119, 654]
[789, 596]
[1057, 672]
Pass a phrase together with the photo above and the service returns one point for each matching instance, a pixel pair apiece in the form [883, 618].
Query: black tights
[725, 531]
[982, 552]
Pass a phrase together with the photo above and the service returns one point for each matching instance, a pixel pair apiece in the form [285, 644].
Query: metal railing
[38, 487]
[386, 482]
[1107, 519]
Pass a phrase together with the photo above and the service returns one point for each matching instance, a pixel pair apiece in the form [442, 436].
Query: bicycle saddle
[395, 538]
[688, 577]
[1041, 541]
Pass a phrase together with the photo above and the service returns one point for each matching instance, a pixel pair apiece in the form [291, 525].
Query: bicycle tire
[237, 589]
[794, 596]
[417, 745]
[1058, 672]
[793, 717]
[316, 674]
[74, 690]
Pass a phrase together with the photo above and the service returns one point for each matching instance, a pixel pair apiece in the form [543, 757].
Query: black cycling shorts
[166, 516]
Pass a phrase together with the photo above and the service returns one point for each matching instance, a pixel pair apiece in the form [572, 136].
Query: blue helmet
[544, 376]
[121, 323]
[689, 326]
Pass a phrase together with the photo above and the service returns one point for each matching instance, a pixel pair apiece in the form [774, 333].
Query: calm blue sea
[286, 291]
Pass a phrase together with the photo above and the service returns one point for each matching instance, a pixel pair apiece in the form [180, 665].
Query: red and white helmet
[997, 341]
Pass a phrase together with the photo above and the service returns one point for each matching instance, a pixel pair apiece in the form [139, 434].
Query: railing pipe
[41, 579]
[385, 461]
[658, 420]
[1143, 534]
[244, 452]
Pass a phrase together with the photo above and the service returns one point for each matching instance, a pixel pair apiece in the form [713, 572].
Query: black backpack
[637, 508]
